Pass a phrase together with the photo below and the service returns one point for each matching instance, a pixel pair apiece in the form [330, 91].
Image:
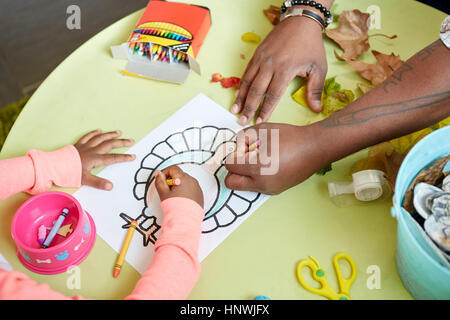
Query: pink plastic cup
[63, 252]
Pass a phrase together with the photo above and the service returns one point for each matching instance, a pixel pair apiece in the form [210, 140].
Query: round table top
[87, 91]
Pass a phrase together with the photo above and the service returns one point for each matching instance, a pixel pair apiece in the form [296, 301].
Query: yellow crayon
[155, 48]
[173, 182]
[123, 252]
[254, 145]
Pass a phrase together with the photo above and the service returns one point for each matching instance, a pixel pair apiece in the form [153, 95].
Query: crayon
[123, 252]
[55, 228]
[254, 145]
[155, 48]
[173, 182]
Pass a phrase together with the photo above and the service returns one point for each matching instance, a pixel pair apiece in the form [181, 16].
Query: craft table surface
[87, 91]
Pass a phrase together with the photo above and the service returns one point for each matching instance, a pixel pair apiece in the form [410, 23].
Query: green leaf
[337, 101]
[324, 170]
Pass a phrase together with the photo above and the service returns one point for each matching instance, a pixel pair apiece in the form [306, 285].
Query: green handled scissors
[319, 275]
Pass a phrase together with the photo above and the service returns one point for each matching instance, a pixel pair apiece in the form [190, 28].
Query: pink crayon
[42, 234]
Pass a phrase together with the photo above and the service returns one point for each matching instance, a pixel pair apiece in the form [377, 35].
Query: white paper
[4, 264]
[197, 137]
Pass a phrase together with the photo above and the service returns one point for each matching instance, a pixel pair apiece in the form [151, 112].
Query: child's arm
[175, 267]
[67, 167]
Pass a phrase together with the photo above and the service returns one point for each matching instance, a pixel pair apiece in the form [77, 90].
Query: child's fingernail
[243, 120]
[259, 120]
[235, 109]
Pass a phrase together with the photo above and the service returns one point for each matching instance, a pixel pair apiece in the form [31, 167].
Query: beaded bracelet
[327, 14]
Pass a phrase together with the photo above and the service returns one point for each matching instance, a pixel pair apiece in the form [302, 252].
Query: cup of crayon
[52, 233]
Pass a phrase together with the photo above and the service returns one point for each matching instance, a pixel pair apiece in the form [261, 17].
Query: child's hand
[94, 150]
[188, 188]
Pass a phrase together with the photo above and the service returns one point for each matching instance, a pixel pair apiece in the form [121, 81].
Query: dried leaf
[352, 33]
[376, 73]
[333, 97]
[230, 82]
[299, 96]
[251, 37]
[381, 157]
[216, 77]
[337, 101]
[403, 144]
[273, 13]
[364, 88]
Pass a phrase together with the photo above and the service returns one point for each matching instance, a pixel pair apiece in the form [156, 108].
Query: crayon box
[165, 42]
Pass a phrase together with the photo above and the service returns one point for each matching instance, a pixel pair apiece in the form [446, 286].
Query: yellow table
[87, 92]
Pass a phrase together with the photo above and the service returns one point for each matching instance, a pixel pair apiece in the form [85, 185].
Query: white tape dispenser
[367, 185]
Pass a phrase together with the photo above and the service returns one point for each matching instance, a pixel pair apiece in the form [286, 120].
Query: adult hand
[293, 48]
[94, 150]
[188, 188]
[287, 155]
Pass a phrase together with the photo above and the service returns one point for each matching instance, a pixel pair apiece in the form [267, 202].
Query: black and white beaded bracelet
[327, 14]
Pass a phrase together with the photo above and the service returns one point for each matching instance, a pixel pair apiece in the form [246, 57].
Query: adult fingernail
[243, 120]
[235, 109]
[108, 186]
[259, 120]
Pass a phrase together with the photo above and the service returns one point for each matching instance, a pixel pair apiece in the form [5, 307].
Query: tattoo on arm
[428, 51]
[343, 118]
[406, 67]
[397, 76]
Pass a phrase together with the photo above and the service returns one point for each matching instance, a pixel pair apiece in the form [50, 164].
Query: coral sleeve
[38, 171]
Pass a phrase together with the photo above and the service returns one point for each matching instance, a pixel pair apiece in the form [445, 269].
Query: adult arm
[415, 96]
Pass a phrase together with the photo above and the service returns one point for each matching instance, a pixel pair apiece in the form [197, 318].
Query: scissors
[319, 275]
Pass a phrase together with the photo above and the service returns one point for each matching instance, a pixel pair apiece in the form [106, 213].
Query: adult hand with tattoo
[411, 99]
[293, 48]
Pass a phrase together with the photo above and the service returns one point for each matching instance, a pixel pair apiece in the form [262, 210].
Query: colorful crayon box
[165, 42]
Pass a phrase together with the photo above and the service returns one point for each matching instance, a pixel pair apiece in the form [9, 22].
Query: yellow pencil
[123, 252]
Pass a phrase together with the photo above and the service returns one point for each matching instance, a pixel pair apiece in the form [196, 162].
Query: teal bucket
[421, 268]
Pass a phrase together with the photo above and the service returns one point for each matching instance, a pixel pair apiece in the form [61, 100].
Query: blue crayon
[55, 228]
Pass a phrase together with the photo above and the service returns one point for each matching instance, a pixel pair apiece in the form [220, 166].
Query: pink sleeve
[175, 267]
[15, 285]
[38, 171]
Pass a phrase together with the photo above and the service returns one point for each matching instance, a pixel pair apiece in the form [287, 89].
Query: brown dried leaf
[273, 13]
[379, 71]
[381, 157]
[352, 33]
